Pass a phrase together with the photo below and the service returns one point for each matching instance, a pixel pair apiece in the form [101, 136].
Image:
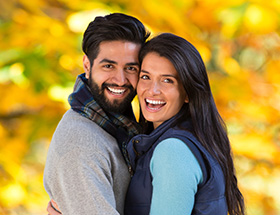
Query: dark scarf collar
[122, 127]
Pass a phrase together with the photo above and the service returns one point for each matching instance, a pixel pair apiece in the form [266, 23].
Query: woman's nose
[154, 88]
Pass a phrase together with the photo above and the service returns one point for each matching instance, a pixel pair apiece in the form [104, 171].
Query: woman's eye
[145, 77]
[167, 80]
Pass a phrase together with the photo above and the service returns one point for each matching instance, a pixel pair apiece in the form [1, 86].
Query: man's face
[114, 74]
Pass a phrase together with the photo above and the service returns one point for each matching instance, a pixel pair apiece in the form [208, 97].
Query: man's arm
[80, 181]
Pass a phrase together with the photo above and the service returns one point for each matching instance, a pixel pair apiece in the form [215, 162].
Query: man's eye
[132, 69]
[108, 66]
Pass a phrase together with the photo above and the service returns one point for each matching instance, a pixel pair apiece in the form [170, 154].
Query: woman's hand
[51, 209]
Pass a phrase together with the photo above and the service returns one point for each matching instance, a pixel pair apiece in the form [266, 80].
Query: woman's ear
[86, 65]
[187, 99]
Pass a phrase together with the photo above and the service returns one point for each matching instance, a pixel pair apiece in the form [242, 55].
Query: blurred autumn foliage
[40, 56]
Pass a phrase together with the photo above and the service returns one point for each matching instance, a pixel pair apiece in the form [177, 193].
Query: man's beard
[116, 105]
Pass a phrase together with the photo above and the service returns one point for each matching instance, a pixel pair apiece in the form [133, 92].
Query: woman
[184, 166]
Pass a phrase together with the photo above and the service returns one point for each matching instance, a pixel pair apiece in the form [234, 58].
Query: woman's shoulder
[173, 146]
[174, 155]
[175, 151]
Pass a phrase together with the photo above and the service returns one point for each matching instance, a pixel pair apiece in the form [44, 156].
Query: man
[85, 171]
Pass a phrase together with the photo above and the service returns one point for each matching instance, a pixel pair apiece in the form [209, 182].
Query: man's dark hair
[112, 27]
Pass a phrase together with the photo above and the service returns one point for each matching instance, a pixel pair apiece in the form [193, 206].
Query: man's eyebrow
[105, 60]
[133, 64]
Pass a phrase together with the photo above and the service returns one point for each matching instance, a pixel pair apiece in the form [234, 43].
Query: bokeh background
[40, 56]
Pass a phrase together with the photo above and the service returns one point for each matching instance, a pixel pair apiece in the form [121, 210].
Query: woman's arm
[176, 175]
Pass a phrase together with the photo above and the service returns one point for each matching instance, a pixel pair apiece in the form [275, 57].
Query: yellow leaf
[136, 108]
[255, 146]
[260, 20]
[78, 22]
[204, 52]
[231, 66]
[12, 195]
[272, 71]
[67, 62]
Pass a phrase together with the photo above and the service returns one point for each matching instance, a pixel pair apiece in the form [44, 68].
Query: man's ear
[86, 65]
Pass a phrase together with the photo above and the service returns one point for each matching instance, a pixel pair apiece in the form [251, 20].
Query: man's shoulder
[73, 118]
[80, 124]
[75, 130]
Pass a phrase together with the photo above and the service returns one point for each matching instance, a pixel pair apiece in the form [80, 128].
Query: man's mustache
[128, 86]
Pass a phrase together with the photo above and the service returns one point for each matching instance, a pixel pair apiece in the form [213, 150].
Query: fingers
[53, 203]
[49, 205]
[51, 210]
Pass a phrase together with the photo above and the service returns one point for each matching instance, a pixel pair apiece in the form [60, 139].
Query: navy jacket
[210, 198]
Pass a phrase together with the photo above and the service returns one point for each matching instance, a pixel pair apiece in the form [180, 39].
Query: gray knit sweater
[85, 172]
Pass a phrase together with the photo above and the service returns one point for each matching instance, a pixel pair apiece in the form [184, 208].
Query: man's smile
[117, 91]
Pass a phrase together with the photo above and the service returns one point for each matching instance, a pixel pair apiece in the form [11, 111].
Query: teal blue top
[176, 175]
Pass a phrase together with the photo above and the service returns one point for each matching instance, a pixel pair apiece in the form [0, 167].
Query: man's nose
[119, 77]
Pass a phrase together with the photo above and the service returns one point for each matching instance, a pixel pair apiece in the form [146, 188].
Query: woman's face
[160, 91]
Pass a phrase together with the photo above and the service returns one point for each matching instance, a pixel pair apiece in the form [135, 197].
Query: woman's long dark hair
[208, 125]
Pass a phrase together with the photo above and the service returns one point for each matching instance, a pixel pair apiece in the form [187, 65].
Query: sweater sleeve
[176, 175]
[79, 186]
[78, 174]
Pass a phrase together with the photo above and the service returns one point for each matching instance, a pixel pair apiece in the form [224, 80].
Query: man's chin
[116, 106]
[110, 103]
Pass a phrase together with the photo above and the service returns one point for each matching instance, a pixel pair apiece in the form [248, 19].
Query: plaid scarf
[119, 126]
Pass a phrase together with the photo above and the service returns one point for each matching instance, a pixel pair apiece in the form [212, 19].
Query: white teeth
[117, 91]
[155, 102]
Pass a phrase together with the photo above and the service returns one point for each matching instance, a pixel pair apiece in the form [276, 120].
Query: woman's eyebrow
[144, 71]
[168, 75]
[163, 75]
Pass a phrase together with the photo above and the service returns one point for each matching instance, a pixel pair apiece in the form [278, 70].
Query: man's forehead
[118, 52]
[119, 45]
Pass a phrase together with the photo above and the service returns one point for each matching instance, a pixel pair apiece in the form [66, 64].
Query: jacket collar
[140, 144]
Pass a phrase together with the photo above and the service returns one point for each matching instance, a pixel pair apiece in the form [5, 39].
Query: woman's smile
[154, 105]
[160, 91]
